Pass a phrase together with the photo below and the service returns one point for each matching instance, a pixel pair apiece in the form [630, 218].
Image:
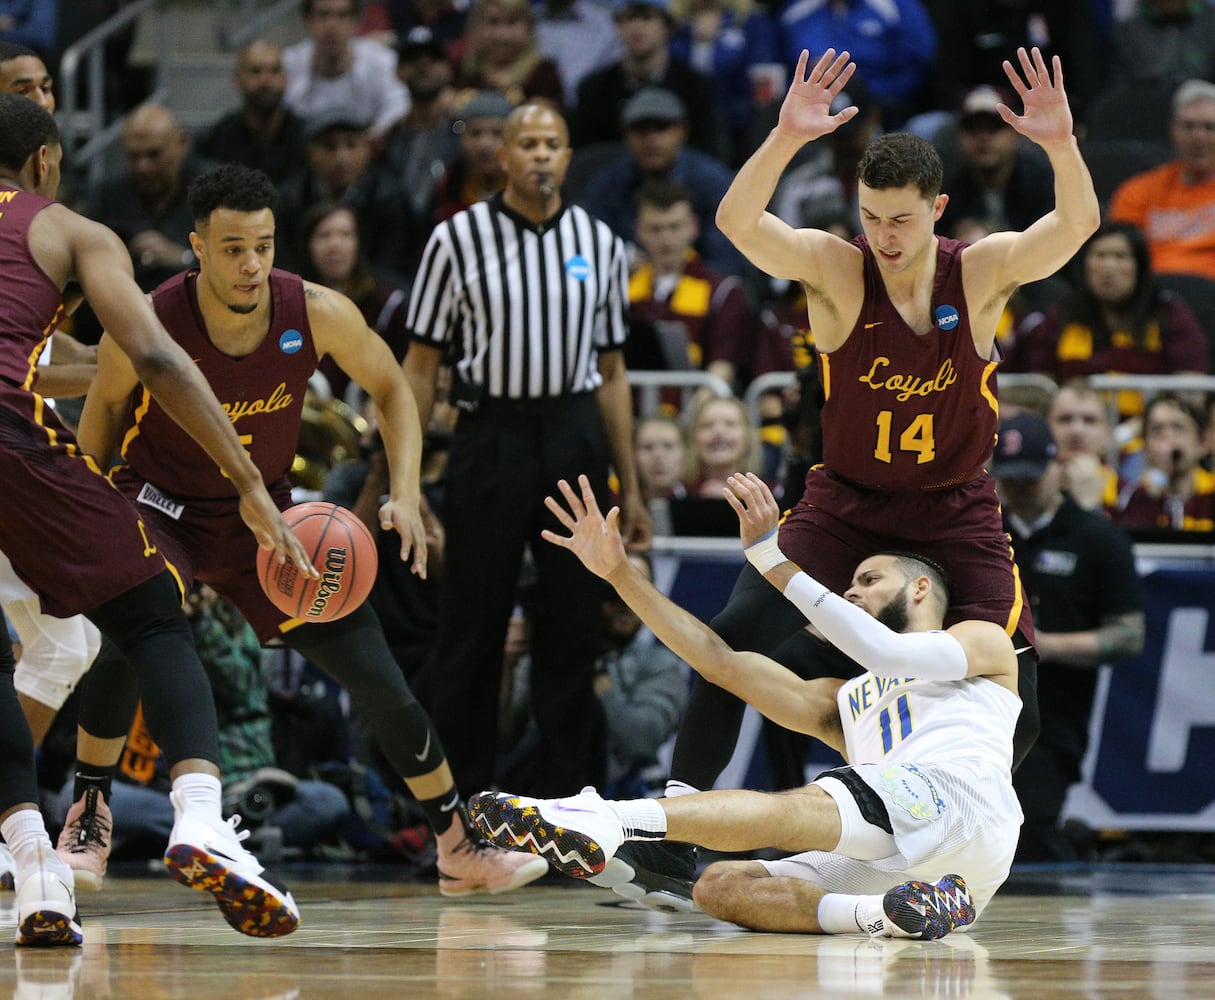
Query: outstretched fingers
[831, 71]
[1034, 72]
[588, 497]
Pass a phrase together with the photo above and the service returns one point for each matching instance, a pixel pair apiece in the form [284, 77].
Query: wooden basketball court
[1119, 931]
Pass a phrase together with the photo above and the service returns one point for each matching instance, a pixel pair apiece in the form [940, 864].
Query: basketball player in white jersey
[911, 839]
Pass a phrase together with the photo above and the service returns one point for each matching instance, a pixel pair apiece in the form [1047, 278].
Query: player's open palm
[806, 111]
[594, 539]
[1047, 118]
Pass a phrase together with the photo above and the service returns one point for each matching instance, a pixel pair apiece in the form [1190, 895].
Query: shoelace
[240, 835]
[89, 828]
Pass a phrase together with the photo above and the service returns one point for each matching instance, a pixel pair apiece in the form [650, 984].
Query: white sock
[642, 819]
[839, 913]
[26, 835]
[197, 791]
[675, 788]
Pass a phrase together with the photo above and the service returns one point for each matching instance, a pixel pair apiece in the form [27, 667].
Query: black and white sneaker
[656, 874]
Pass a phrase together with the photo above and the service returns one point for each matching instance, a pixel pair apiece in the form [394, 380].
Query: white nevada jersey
[906, 719]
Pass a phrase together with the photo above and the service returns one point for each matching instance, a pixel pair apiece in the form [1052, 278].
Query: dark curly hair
[232, 186]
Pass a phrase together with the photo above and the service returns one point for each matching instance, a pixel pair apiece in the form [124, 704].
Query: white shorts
[12, 587]
[945, 819]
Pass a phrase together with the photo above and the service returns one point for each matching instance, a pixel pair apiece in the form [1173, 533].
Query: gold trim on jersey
[32, 360]
[52, 436]
[985, 388]
[1014, 616]
[825, 362]
[141, 411]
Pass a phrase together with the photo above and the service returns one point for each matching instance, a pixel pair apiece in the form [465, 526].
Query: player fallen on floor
[910, 839]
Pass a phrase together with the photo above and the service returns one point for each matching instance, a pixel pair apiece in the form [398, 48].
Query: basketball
[343, 552]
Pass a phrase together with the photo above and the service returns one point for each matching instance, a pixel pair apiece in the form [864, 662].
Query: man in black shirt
[1079, 571]
[262, 133]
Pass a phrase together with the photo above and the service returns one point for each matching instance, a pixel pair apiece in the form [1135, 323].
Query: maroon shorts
[836, 524]
[208, 541]
[69, 534]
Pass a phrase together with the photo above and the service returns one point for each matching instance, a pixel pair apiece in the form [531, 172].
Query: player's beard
[241, 310]
[894, 615]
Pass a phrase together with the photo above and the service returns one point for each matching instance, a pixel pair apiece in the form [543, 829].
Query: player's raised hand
[594, 539]
[757, 510]
[806, 111]
[266, 522]
[1047, 117]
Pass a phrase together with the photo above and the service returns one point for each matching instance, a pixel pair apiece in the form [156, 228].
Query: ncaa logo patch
[577, 267]
[290, 341]
[947, 317]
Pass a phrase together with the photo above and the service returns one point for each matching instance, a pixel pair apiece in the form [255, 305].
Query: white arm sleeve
[936, 656]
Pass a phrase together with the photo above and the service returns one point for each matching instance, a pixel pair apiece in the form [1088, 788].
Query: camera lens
[258, 804]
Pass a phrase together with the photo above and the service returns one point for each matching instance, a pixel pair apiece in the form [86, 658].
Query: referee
[526, 297]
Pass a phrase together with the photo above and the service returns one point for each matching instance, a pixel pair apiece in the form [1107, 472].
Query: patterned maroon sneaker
[576, 835]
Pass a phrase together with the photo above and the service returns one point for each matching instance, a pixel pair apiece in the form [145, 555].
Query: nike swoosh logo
[1023, 649]
[449, 806]
[219, 853]
[870, 326]
[425, 748]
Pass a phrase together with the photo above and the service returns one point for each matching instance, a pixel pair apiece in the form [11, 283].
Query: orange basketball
[343, 552]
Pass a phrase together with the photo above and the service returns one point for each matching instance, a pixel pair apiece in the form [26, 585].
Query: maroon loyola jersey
[906, 411]
[262, 393]
[32, 304]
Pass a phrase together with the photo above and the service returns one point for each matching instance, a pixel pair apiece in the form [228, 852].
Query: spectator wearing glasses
[1174, 204]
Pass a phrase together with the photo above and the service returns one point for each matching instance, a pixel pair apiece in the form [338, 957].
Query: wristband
[764, 553]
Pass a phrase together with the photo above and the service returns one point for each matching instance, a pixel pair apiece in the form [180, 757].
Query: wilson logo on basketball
[331, 582]
[343, 551]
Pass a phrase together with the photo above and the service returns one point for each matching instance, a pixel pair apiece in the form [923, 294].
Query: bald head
[535, 155]
[155, 145]
[540, 115]
[260, 77]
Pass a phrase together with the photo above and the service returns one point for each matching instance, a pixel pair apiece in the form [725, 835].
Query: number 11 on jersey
[885, 723]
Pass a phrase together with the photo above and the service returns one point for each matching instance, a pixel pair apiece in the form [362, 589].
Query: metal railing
[85, 132]
[651, 383]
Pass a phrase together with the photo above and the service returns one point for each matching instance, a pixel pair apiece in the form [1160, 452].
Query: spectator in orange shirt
[1174, 204]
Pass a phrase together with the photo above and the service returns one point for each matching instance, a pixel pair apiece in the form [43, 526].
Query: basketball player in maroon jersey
[257, 334]
[83, 548]
[904, 324]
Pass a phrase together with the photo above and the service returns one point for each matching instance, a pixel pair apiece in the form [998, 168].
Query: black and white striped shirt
[528, 307]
